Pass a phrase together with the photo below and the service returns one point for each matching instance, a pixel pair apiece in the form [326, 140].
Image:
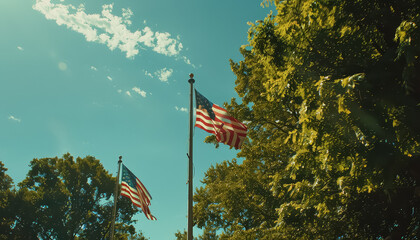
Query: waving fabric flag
[132, 188]
[216, 120]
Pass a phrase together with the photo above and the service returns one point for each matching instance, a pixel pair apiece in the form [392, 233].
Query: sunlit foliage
[330, 92]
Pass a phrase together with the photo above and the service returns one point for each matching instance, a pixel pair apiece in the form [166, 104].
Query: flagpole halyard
[114, 210]
[190, 163]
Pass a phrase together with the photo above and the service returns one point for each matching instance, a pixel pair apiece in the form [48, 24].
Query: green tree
[63, 198]
[181, 235]
[137, 236]
[330, 93]
[208, 234]
[6, 194]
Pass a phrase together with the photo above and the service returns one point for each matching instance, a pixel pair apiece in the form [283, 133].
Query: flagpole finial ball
[191, 78]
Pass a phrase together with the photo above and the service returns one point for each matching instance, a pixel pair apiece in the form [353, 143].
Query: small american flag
[132, 188]
[216, 120]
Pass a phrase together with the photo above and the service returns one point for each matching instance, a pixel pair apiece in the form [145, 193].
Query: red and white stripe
[140, 197]
[227, 129]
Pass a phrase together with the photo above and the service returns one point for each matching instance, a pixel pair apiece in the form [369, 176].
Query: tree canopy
[330, 92]
[208, 234]
[6, 219]
[64, 198]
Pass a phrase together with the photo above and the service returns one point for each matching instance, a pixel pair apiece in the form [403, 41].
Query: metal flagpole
[190, 164]
[114, 210]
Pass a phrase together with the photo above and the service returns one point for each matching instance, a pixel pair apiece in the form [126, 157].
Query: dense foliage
[63, 198]
[330, 92]
[5, 201]
[208, 234]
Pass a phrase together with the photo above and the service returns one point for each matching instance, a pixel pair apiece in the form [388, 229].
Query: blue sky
[109, 78]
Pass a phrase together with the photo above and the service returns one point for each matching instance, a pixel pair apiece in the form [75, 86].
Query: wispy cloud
[109, 29]
[93, 68]
[20, 48]
[139, 91]
[148, 74]
[128, 93]
[13, 118]
[181, 109]
[164, 74]
[119, 91]
[62, 66]
[109, 78]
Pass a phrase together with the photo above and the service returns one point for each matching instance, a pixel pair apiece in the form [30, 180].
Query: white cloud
[81, 7]
[109, 78]
[181, 109]
[93, 68]
[148, 74]
[62, 66]
[20, 48]
[166, 45]
[164, 74]
[127, 14]
[140, 92]
[13, 118]
[148, 37]
[109, 29]
[188, 61]
[128, 93]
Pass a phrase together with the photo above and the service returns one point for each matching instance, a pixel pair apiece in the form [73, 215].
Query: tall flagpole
[114, 210]
[190, 164]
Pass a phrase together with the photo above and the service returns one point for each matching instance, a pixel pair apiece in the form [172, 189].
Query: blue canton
[128, 177]
[204, 103]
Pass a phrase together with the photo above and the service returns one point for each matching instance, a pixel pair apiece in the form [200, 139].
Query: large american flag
[132, 188]
[216, 120]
